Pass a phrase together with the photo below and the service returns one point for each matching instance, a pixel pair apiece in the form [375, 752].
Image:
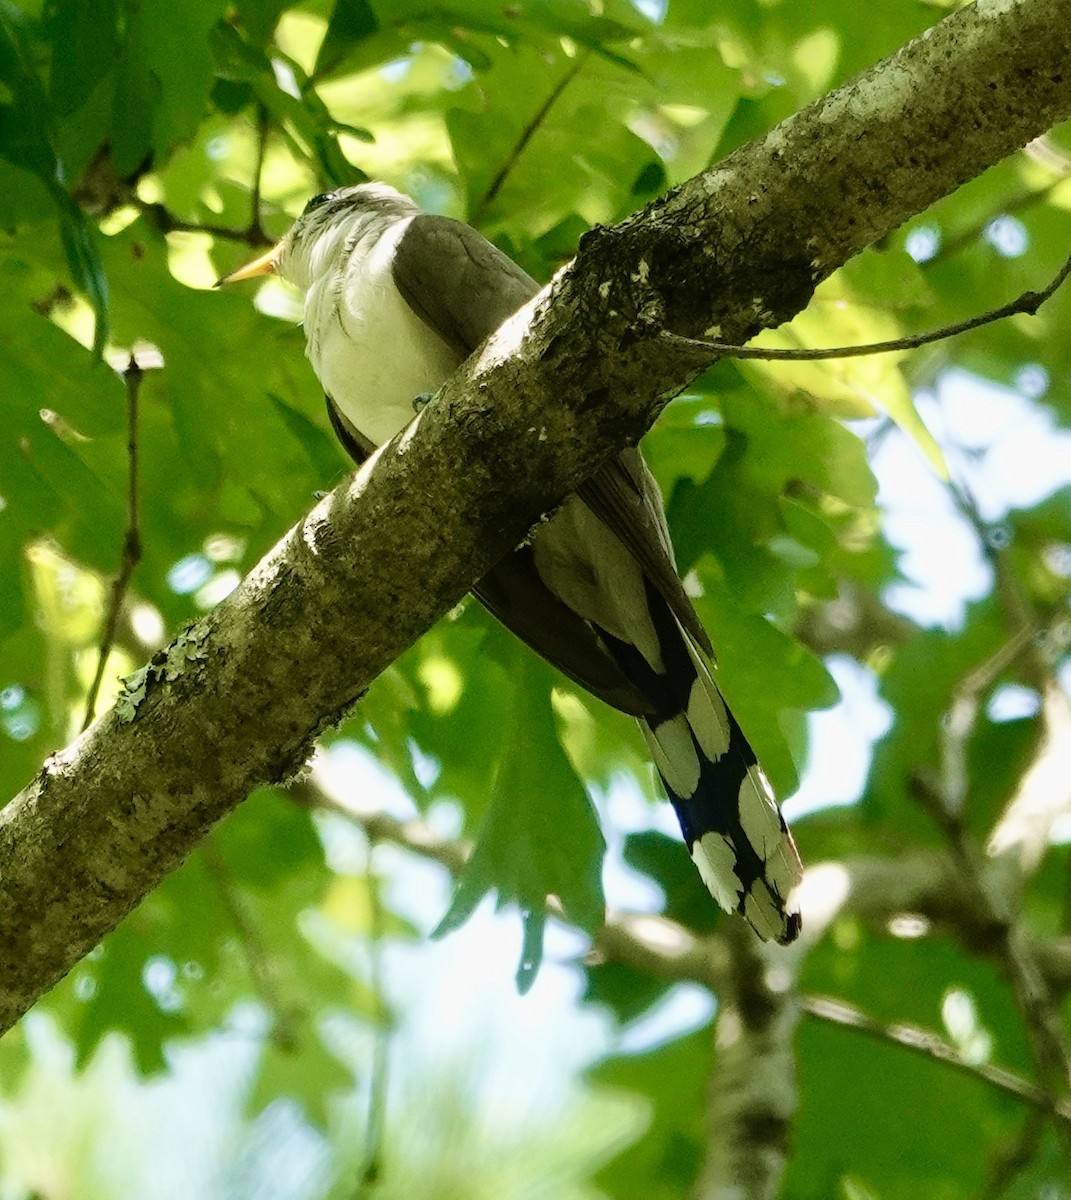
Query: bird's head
[331, 227]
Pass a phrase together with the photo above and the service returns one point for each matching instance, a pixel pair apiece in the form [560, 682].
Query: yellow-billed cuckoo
[395, 299]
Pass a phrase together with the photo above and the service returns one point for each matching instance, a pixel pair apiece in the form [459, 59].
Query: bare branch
[131, 553]
[929, 1045]
[253, 235]
[752, 1094]
[255, 230]
[1028, 303]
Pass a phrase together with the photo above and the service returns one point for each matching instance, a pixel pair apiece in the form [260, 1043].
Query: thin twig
[1028, 302]
[527, 133]
[255, 231]
[372, 1170]
[929, 1045]
[258, 959]
[962, 715]
[1037, 1007]
[131, 552]
[1011, 1159]
[167, 222]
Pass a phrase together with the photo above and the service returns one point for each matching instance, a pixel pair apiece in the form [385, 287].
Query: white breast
[370, 351]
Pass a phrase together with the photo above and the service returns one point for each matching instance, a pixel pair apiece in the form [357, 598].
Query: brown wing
[463, 287]
[457, 282]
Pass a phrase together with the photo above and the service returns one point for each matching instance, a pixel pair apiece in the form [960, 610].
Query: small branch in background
[929, 1045]
[284, 1026]
[131, 553]
[960, 720]
[379, 826]
[372, 1170]
[1014, 1157]
[527, 133]
[255, 232]
[1028, 303]
[166, 222]
[1008, 942]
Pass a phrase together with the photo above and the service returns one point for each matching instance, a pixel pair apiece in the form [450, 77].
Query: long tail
[728, 814]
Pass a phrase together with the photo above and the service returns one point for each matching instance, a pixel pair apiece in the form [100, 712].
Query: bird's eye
[316, 201]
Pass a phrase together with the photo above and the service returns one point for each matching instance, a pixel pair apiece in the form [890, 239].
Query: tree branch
[239, 698]
[929, 1045]
[751, 1093]
[1027, 304]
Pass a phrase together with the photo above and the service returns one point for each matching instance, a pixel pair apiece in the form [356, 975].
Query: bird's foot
[421, 402]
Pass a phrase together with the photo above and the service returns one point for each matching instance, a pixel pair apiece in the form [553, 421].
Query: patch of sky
[1012, 702]
[1005, 449]
[20, 714]
[459, 74]
[841, 741]
[654, 10]
[159, 977]
[923, 242]
[682, 1009]
[396, 70]
[188, 574]
[1008, 236]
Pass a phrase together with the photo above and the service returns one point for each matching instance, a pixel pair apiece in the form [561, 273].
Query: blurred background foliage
[273, 1021]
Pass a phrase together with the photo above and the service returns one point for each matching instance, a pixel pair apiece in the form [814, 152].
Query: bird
[395, 299]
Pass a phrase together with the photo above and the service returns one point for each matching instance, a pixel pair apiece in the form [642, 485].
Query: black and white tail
[731, 823]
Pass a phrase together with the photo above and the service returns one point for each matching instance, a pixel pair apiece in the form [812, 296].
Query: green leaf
[119, 1000]
[351, 22]
[260, 17]
[308, 1073]
[321, 447]
[85, 44]
[672, 1079]
[268, 839]
[540, 836]
[87, 270]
